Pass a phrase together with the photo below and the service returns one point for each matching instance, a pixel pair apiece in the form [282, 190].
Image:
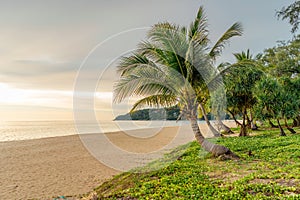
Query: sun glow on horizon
[33, 97]
[19, 104]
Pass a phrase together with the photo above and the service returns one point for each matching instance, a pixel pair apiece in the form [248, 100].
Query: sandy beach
[43, 168]
[49, 167]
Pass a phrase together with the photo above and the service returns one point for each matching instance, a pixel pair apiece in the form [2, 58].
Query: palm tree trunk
[282, 133]
[222, 126]
[211, 128]
[215, 149]
[198, 135]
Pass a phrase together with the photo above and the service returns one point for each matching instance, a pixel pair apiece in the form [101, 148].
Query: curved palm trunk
[223, 127]
[215, 149]
[211, 128]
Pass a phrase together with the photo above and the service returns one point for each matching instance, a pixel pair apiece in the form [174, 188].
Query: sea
[26, 130]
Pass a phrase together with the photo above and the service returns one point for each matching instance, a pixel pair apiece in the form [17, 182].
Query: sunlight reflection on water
[24, 130]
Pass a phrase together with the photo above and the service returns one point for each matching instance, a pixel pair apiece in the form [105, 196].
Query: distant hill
[171, 113]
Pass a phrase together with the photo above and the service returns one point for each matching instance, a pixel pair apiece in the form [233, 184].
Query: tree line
[265, 87]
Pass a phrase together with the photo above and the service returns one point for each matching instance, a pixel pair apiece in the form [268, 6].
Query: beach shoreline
[48, 167]
[43, 168]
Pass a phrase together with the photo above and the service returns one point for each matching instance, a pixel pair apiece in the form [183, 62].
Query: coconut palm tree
[175, 67]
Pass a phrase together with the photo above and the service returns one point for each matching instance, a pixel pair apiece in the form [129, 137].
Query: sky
[53, 54]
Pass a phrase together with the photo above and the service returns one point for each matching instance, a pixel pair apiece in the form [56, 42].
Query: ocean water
[25, 130]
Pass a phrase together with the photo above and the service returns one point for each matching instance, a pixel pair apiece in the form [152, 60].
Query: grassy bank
[269, 169]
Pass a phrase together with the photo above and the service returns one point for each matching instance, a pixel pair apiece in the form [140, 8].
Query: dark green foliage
[239, 85]
[152, 114]
[277, 98]
[281, 63]
[283, 59]
[240, 79]
[269, 99]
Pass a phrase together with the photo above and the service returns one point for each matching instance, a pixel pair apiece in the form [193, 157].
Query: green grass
[271, 172]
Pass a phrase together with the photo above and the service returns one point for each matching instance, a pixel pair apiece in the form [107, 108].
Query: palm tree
[175, 67]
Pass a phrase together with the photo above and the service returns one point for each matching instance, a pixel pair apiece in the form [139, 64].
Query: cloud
[39, 67]
[33, 97]
[43, 43]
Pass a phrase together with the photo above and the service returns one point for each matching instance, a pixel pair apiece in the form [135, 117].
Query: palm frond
[222, 66]
[169, 45]
[199, 28]
[136, 60]
[200, 62]
[235, 30]
[159, 100]
[148, 81]
[243, 56]
[161, 56]
[215, 82]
